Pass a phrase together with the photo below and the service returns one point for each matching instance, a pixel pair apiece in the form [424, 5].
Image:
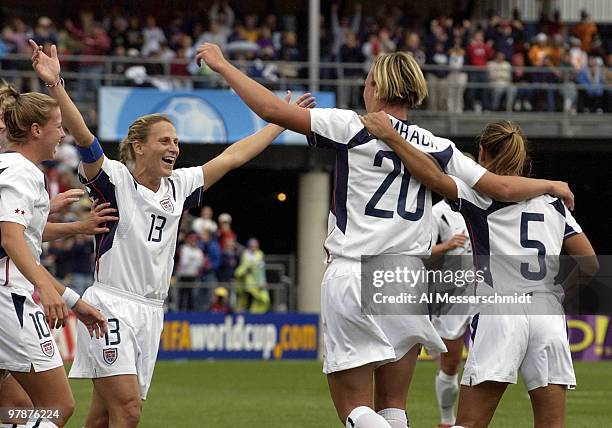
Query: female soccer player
[28, 350]
[12, 395]
[532, 342]
[377, 209]
[134, 259]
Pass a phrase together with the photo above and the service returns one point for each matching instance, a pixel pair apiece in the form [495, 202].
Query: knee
[100, 421]
[129, 412]
[66, 409]
[450, 364]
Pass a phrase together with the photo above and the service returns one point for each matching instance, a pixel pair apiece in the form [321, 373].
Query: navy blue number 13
[157, 225]
[371, 209]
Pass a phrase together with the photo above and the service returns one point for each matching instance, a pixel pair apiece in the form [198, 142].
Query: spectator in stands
[213, 35]
[117, 32]
[523, 96]
[500, 76]
[437, 80]
[153, 37]
[225, 230]
[220, 302]
[133, 34]
[230, 256]
[82, 257]
[590, 82]
[251, 32]
[266, 44]
[457, 78]
[224, 16]
[205, 222]
[557, 50]
[585, 30]
[290, 52]
[578, 57]
[191, 261]
[341, 26]
[504, 40]
[412, 44]
[351, 52]
[478, 55]
[251, 273]
[45, 33]
[608, 84]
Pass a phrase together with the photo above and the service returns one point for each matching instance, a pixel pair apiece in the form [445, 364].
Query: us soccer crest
[48, 348]
[166, 204]
[109, 355]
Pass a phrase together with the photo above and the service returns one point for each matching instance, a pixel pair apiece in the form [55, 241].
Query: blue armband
[92, 153]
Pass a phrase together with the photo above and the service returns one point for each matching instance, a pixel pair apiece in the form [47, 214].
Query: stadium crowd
[208, 251]
[574, 60]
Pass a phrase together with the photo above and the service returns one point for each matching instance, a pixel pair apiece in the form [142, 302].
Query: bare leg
[548, 405]
[120, 397]
[49, 389]
[350, 389]
[98, 415]
[477, 404]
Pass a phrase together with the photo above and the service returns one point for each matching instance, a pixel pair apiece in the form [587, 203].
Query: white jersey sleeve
[335, 128]
[463, 167]
[465, 194]
[188, 183]
[19, 194]
[571, 225]
[102, 186]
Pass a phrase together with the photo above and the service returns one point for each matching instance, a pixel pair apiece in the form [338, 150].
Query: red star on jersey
[18, 211]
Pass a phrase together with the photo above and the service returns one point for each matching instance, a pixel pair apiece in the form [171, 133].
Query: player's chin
[166, 169]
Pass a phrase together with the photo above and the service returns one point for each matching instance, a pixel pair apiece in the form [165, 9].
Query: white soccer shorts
[25, 337]
[130, 347]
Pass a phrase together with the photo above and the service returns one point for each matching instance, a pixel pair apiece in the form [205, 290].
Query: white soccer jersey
[137, 254]
[23, 200]
[448, 223]
[377, 207]
[510, 240]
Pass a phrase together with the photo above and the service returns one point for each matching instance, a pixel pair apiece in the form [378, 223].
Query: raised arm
[259, 99]
[423, 168]
[246, 149]
[48, 69]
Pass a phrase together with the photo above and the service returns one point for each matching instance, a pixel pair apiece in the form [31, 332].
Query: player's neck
[28, 151]
[397, 111]
[150, 182]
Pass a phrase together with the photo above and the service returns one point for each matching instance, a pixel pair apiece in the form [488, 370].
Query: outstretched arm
[259, 99]
[48, 69]
[424, 169]
[246, 149]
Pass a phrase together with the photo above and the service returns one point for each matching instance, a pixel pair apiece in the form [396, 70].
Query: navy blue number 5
[371, 209]
[532, 243]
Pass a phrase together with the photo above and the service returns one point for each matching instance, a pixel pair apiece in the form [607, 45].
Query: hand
[54, 305]
[92, 318]
[456, 241]
[378, 124]
[212, 56]
[98, 215]
[47, 67]
[304, 101]
[64, 199]
[561, 190]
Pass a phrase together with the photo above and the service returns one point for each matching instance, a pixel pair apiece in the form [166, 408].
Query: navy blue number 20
[157, 226]
[532, 243]
[371, 209]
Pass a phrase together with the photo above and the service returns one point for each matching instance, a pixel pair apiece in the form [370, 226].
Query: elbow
[589, 265]
[503, 193]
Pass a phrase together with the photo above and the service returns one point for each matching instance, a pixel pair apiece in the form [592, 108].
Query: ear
[138, 149]
[35, 130]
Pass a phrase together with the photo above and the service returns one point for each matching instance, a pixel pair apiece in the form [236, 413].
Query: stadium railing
[554, 94]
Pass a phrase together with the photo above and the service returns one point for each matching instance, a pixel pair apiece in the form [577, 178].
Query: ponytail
[507, 148]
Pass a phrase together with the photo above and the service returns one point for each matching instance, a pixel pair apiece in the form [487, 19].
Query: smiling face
[49, 135]
[159, 151]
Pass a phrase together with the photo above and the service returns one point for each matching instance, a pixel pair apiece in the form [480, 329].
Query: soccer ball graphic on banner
[195, 120]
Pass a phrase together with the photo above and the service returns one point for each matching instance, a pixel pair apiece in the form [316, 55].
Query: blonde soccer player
[134, 260]
[27, 348]
[530, 340]
[377, 209]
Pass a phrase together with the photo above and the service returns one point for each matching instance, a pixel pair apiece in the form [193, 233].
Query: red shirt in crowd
[479, 54]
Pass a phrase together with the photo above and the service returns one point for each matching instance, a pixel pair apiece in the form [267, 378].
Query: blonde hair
[20, 111]
[138, 132]
[507, 147]
[399, 79]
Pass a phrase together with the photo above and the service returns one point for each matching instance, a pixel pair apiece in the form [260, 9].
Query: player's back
[377, 207]
[518, 243]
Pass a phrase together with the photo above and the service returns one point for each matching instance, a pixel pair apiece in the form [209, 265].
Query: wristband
[71, 297]
[92, 153]
[60, 81]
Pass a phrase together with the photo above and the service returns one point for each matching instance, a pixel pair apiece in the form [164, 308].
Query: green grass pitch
[294, 394]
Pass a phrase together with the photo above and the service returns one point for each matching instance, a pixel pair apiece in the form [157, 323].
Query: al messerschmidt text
[516, 298]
